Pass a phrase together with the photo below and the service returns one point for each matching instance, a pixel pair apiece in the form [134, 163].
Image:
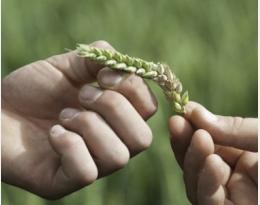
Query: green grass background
[211, 45]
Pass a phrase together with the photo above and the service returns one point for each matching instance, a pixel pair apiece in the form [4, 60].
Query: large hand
[218, 156]
[99, 129]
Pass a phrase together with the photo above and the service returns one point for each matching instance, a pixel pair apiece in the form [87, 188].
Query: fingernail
[89, 93]
[68, 113]
[57, 130]
[110, 78]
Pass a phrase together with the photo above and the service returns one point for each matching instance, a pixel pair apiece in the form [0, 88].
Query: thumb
[78, 70]
[237, 132]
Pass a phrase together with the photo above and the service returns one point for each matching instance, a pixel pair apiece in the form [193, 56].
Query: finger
[78, 70]
[132, 87]
[229, 131]
[229, 154]
[77, 166]
[248, 163]
[181, 132]
[212, 178]
[228, 202]
[201, 146]
[107, 149]
[252, 167]
[120, 115]
[242, 189]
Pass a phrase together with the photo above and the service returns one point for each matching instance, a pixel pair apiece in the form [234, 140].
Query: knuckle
[228, 128]
[236, 125]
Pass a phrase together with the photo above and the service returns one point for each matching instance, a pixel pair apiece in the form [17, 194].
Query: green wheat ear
[158, 72]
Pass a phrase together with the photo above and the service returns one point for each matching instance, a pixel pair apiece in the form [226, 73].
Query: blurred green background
[211, 45]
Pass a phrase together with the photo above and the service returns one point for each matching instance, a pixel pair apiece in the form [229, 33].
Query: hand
[60, 133]
[218, 156]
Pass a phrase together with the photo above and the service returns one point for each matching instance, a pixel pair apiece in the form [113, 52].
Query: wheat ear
[158, 72]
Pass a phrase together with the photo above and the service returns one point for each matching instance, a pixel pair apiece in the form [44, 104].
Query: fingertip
[92, 66]
[56, 134]
[189, 107]
[179, 126]
[202, 141]
[173, 122]
[102, 44]
[56, 130]
[200, 116]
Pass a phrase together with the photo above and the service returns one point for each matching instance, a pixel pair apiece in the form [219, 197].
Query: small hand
[60, 133]
[218, 156]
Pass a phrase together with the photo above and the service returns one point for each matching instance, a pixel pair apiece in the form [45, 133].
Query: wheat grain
[158, 72]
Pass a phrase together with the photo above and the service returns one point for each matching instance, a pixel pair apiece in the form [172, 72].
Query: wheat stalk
[158, 72]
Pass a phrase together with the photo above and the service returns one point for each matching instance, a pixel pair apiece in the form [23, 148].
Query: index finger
[132, 87]
[237, 132]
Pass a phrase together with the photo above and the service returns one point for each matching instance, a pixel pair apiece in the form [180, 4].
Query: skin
[60, 133]
[218, 156]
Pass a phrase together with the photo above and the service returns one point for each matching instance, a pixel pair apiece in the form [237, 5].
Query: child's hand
[218, 156]
[98, 131]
